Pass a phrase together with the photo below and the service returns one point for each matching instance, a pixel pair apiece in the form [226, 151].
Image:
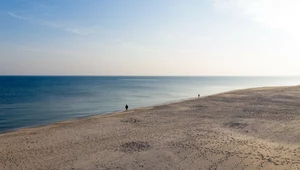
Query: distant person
[198, 95]
[126, 107]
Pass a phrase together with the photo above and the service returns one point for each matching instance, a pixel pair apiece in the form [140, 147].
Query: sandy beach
[255, 128]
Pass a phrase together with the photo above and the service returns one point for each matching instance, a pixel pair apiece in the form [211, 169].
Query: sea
[29, 101]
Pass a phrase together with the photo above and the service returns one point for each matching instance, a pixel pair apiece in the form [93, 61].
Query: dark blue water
[32, 100]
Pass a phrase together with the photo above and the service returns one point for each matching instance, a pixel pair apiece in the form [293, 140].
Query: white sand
[248, 129]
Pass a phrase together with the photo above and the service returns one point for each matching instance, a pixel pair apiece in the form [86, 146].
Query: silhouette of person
[198, 95]
[126, 107]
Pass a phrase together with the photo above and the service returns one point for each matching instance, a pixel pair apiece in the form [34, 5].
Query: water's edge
[114, 113]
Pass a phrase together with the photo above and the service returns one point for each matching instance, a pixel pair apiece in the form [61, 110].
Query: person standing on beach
[126, 107]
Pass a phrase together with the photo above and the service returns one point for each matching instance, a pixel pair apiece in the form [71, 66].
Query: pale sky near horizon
[157, 37]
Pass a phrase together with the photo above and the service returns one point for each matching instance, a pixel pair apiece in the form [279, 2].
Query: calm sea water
[27, 101]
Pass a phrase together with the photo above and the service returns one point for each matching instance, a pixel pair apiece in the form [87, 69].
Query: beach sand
[246, 129]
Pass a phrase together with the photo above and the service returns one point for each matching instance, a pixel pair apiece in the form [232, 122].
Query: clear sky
[153, 37]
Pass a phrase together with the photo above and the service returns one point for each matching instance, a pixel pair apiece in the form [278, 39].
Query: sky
[157, 37]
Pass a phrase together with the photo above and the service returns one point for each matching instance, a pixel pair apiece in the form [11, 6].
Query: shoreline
[99, 115]
[117, 112]
[256, 128]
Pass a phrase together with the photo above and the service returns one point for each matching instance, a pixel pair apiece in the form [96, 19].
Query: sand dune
[246, 129]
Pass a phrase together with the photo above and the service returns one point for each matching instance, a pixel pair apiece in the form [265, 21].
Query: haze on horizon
[158, 37]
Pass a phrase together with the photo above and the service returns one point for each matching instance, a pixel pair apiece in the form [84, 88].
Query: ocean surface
[27, 101]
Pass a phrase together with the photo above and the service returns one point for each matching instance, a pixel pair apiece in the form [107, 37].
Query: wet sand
[247, 129]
